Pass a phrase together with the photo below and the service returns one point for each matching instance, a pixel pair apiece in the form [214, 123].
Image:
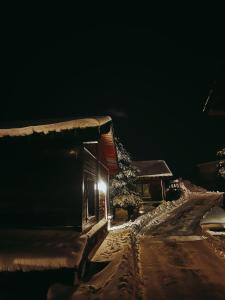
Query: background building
[151, 179]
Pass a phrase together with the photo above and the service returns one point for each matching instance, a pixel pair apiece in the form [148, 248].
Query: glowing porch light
[102, 187]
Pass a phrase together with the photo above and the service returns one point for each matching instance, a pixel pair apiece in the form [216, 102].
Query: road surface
[176, 262]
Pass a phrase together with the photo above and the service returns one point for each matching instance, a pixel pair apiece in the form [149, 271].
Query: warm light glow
[109, 221]
[102, 186]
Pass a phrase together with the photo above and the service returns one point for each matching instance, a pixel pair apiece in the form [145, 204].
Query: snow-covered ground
[117, 280]
[175, 260]
[133, 249]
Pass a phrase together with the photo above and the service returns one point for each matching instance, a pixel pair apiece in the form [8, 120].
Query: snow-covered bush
[125, 201]
[221, 164]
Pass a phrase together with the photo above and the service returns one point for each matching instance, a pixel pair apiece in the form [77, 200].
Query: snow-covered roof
[44, 127]
[40, 249]
[57, 126]
[153, 168]
[44, 249]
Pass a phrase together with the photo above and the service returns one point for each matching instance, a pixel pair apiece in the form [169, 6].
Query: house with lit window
[54, 196]
[152, 177]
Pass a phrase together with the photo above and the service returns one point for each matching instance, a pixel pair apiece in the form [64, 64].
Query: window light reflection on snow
[102, 186]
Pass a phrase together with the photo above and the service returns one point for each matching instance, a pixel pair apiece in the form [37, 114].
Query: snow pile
[161, 213]
[156, 216]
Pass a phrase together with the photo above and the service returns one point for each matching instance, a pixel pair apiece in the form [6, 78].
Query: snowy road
[160, 256]
[176, 262]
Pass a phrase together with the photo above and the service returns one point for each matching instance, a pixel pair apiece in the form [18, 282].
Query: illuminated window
[102, 186]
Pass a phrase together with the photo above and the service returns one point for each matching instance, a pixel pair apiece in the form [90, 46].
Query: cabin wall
[40, 182]
[89, 189]
[51, 180]
[95, 187]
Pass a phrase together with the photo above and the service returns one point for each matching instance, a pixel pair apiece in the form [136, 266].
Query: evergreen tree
[122, 187]
[221, 165]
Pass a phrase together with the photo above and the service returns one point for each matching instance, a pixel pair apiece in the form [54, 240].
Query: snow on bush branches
[122, 185]
[221, 165]
[126, 200]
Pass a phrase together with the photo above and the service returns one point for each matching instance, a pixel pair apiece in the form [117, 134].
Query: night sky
[152, 78]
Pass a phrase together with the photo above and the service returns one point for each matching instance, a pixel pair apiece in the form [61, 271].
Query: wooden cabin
[151, 179]
[56, 174]
[54, 195]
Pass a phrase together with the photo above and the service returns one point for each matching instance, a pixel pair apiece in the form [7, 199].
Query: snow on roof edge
[168, 168]
[156, 175]
[57, 126]
[169, 173]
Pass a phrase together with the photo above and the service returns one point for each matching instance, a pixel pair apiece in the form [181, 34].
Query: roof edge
[57, 126]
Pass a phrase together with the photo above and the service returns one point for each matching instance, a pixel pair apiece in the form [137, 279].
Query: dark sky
[152, 78]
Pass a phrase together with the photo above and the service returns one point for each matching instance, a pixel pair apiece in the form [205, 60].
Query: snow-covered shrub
[221, 164]
[124, 201]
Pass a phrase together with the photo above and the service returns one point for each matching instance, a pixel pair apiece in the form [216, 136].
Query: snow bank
[117, 280]
[156, 216]
[164, 210]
